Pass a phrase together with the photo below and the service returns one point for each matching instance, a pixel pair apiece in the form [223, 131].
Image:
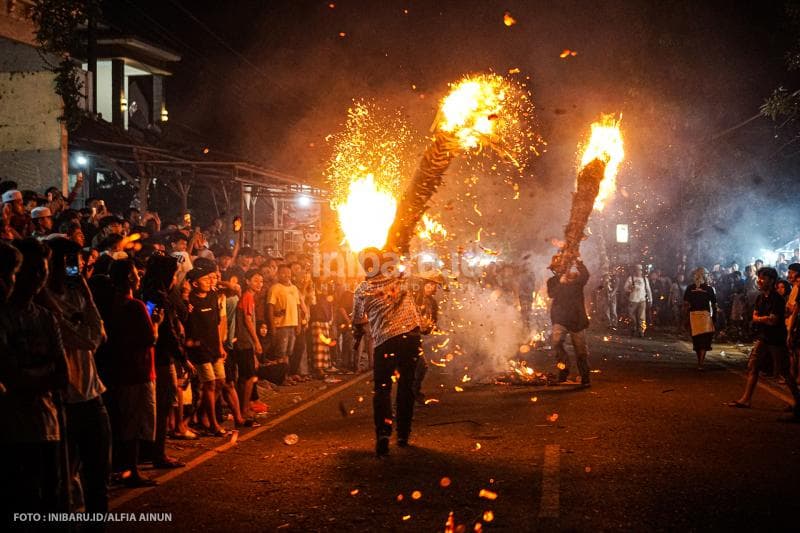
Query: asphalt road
[650, 446]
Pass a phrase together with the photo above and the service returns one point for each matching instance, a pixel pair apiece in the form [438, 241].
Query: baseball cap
[10, 196]
[197, 273]
[40, 212]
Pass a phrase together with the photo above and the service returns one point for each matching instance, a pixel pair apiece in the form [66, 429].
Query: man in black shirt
[770, 344]
[568, 314]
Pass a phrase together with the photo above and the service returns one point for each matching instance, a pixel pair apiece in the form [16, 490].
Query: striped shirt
[388, 304]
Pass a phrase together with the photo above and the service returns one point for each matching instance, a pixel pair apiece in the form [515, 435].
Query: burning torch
[596, 182]
[482, 111]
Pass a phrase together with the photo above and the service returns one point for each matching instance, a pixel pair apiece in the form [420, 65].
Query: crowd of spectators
[119, 331]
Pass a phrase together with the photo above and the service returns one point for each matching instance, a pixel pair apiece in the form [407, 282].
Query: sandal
[738, 405]
[221, 432]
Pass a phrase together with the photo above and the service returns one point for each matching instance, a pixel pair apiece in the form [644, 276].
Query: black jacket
[568, 308]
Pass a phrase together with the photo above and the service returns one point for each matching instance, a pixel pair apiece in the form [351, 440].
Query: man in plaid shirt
[384, 300]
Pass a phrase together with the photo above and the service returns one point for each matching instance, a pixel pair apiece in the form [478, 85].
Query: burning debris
[521, 374]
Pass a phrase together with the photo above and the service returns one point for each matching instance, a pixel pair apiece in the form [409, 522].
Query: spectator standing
[639, 297]
[132, 334]
[81, 328]
[248, 346]
[33, 370]
[283, 313]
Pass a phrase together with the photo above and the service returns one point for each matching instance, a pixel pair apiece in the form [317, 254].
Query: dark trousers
[399, 353]
[89, 439]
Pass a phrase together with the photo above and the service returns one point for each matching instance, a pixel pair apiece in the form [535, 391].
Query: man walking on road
[568, 315]
[384, 300]
[770, 344]
[639, 297]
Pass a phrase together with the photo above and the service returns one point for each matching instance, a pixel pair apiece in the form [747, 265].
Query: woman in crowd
[701, 302]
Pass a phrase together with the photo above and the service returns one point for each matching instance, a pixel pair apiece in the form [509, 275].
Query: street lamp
[623, 237]
[81, 160]
[303, 201]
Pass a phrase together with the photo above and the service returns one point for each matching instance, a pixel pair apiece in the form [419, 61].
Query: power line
[219, 39]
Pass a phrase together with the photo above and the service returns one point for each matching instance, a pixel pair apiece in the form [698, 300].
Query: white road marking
[210, 454]
[548, 507]
[761, 385]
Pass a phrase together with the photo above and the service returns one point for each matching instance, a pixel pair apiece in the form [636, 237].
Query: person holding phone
[82, 331]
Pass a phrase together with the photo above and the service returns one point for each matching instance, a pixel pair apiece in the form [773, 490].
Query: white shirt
[638, 289]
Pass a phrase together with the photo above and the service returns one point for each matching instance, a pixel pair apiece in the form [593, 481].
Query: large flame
[472, 109]
[431, 229]
[606, 145]
[367, 214]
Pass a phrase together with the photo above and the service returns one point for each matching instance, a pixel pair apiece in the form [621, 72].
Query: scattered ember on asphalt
[534, 399]
[553, 417]
[353, 492]
[488, 516]
[407, 517]
[444, 482]
[399, 497]
[458, 389]
[477, 447]
[587, 469]
[487, 494]
[416, 495]
[508, 20]
[430, 401]
[561, 366]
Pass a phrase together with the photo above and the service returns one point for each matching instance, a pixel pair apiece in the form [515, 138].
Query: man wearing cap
[42, 222]
[384, 302]
[14, 212]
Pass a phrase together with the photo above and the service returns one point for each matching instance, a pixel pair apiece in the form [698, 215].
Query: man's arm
[249, 324]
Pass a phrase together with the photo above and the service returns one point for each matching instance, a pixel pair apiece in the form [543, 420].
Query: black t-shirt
[700, 298]
[202, 333]
[772, 304]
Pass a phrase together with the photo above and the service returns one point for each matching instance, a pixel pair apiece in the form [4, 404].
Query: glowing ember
[553, 417]
[416, 495]
[477, 446]
[458, 389]
[488, 516]
[407, 517]
[466, 379]
[606, 145]
[508, 20]
[534, 399]
[444, 482]
[487, 494]
[431, 401]
[431, 230]
[353, 492]
[561, 366]
[399, 497]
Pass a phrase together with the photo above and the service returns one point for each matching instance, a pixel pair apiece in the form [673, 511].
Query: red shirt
[130, 339]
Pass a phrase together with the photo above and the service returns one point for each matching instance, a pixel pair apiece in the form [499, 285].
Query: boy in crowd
[247, 346]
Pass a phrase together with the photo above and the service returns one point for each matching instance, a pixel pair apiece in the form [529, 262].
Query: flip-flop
[738, 405]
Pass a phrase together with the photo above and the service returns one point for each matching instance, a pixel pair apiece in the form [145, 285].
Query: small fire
[367, 214]
[431, 229]
[508, 20]
[606, 145]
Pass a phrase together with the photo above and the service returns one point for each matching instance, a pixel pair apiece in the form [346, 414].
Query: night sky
[679, 72]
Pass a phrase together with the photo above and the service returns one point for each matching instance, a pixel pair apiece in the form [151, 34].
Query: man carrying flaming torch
[479, 112]
[599, 163]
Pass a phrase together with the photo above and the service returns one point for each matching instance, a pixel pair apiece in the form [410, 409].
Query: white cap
[40, 212]
[10, 196]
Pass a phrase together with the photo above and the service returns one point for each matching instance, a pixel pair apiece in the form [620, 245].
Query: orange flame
[606, 145]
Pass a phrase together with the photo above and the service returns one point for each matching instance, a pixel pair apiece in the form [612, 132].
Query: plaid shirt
[388, 304]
